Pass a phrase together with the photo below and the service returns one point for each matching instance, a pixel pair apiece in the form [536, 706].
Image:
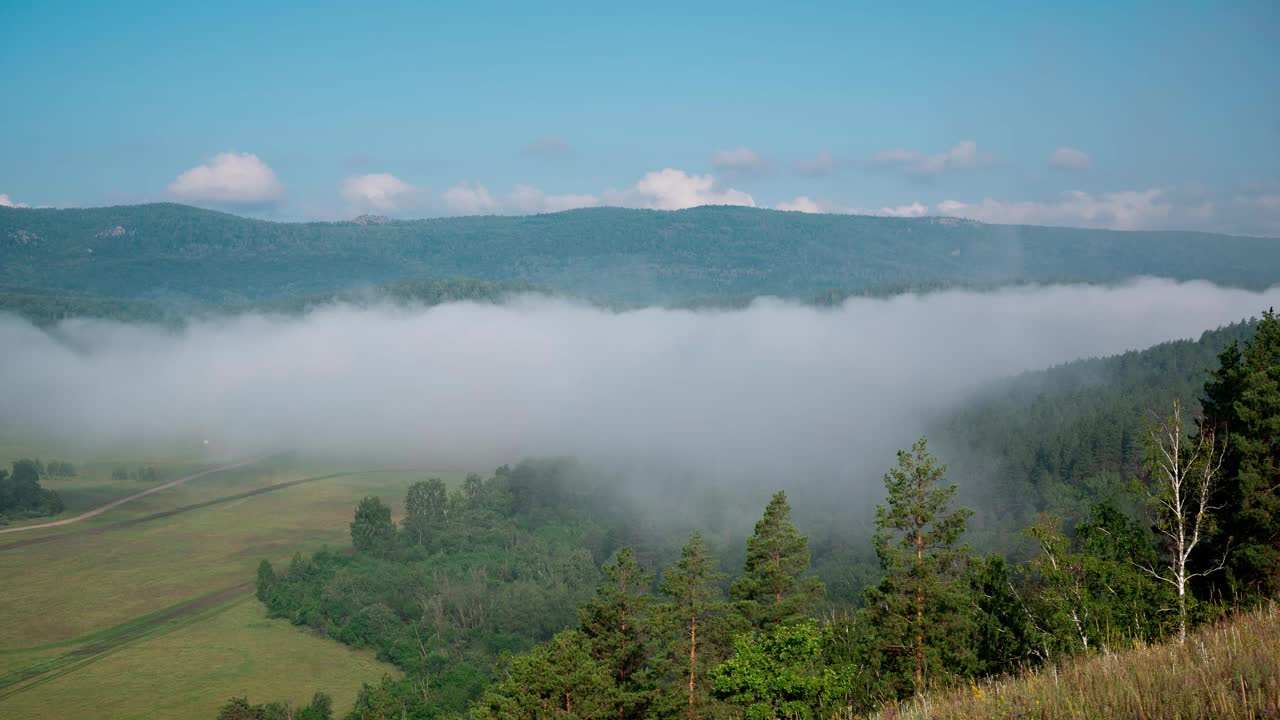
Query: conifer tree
[557, 679]
[920, 609]
[695, 625]
[774, 588]
[617, 623]
[1241, 404]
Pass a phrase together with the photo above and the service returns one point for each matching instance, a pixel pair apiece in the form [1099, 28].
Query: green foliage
[1065, 439]
[21, 494]
[371, 530]
[320, 708]
[775, 587]
[921, 608]
[266, 579]
[1242, 403]
[425, 506]
[557, 679]
[697, 629]
[502, 569]
[786, 673]
[618, 624]
[1083, 593]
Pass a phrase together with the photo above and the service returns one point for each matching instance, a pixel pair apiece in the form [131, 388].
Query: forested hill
[621, 255]
[1070, 436]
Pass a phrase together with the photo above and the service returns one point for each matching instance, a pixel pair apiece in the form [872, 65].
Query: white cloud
[1128, 210]
[671, 189]
[6, 201]
[377, 191]
[229, 178]
[548, 145]
[529, 199]
[803, 204]
[1156, 208]
[915, 209]
[475, 199]
[1068, 158]
[470, 199]
[963, 155]
[808, 205]
[742, 160]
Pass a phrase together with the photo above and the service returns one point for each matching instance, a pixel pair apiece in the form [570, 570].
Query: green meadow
[147, 609]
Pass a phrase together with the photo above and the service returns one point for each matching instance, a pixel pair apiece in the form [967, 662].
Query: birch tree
[1181, 474]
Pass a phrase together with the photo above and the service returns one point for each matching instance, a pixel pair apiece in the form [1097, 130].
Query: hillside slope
[1223, 672]
[167, 250]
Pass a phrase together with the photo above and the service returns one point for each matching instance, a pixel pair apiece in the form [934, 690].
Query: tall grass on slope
[1230, 671]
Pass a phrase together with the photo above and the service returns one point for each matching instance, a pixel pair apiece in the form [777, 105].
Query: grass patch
[1229, 671]
[191, 671]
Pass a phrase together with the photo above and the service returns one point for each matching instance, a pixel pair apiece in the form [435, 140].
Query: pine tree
[774, 588]
[1241, 404]
[557, 679]
[696, 631]
[617, 623]
[921, 607]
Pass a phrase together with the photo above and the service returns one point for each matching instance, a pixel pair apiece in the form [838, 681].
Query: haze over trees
[469, 595]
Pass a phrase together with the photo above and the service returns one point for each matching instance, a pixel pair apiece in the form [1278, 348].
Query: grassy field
[191, 671]
[1226, 672]
[157, 590]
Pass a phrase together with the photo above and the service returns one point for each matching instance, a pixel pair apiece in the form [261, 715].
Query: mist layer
[775, 388]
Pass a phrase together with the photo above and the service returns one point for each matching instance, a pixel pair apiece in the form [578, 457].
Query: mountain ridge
[167, 250]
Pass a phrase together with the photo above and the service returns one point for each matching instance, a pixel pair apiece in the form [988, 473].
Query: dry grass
[1229, 671]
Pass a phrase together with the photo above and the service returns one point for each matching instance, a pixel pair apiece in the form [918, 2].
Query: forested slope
[618, 255]
[1064, 438]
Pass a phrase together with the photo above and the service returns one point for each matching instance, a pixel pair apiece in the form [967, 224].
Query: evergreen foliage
[775, 587]
[920, 609]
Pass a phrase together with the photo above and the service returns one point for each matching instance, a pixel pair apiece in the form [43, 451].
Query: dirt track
[122, 501]
[175, 511]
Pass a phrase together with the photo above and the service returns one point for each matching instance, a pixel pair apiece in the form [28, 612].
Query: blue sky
[1130, 115]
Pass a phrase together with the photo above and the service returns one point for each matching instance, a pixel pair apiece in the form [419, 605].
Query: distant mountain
[167, 251]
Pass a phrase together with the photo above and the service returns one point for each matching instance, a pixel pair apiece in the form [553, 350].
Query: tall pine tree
[616, 622]
[696, 631]
[921, 610]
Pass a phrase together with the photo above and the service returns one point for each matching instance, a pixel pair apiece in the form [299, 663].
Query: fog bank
[775, 388]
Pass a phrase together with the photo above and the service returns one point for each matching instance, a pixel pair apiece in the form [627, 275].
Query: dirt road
[131, 498]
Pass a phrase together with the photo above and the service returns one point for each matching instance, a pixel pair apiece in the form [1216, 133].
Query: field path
[179, 510]
[135, 496]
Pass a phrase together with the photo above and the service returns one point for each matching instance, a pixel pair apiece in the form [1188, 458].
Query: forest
[174, 252]
[1136, 514]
